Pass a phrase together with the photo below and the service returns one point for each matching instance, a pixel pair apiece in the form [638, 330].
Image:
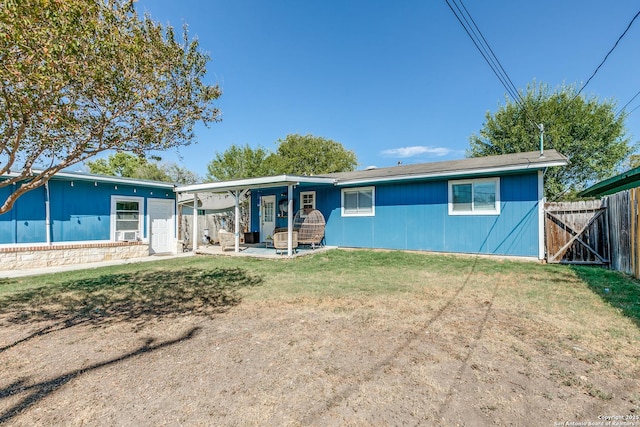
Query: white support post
[236, 195]
[290, 221]
[194, 232]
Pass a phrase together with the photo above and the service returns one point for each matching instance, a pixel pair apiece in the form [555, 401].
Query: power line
[486, 52]
[627, 104]
[607, 55]
[638, 106]
[511, 85]
[480, 42]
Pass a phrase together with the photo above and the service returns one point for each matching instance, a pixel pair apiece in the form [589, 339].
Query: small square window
[358, 201]
[127, 218]
[474, 197]
[307, 200]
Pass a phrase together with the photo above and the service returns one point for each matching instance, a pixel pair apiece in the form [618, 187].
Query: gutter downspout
[47, 212]
[541, 216]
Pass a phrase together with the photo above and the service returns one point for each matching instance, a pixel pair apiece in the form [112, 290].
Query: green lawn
[212, 283]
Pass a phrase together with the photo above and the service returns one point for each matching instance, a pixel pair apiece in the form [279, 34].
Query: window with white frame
[307, 200]
[474, 197]
[358, 201]
[127, 218]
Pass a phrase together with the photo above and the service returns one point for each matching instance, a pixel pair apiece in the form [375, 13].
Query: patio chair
[280, 241]
[227, 239]
[310, 224]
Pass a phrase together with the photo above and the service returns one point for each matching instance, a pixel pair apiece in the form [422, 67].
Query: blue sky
[392, 80]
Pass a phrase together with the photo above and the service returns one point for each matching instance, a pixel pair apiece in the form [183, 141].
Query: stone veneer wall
[26, 257]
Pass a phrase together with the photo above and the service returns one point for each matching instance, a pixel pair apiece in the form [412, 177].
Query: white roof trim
[105, 178]
[449, 174]
[261, 182]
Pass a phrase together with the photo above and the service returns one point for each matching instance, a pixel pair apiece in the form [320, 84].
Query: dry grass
[340, 338]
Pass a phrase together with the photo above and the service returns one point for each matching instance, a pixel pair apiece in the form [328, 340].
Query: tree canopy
[295, 154]
[238, 162]
[585, 130]
[311, 155]
[80, 77]
[130, 166]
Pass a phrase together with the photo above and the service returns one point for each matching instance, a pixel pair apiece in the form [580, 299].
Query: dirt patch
[458, 359]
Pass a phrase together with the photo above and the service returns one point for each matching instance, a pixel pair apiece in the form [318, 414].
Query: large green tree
[295, 154]
[131, 166]
[584, 129]
[79, 77]
[311, 155]
[238, 162]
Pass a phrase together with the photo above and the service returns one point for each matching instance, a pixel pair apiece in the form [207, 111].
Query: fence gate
[577, 232]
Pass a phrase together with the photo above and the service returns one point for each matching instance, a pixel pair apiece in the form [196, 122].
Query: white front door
[162, 225]
[267, 217]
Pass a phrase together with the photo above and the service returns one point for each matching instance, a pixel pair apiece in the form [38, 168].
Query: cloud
[416, 150]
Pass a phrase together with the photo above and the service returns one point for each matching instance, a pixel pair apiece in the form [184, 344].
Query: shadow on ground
[33, 393]
[131, 297]
[617, 289]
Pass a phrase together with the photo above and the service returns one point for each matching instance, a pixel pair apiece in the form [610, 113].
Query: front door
[161, 222]
[267, 217]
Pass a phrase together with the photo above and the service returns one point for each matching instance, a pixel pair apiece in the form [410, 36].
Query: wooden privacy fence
[625, 231]
[577, 232]
[600, 232]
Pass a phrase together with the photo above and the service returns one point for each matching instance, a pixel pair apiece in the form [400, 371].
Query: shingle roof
[469, 166]
[476, 166]
[624, 181]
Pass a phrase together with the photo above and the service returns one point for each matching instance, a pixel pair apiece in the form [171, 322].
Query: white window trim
[141, 217]
[354, 189]
[306, 193]
[495, 211]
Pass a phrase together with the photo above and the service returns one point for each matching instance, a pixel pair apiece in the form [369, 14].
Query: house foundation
[22, 258]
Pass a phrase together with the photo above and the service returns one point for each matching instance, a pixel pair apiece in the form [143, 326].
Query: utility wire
[480, 42]
[485, 52]
[514, 90]
[638, 106]
[627, 104]
[607, 55]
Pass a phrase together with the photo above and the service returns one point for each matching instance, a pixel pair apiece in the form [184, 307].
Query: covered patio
[260, 250]
[238, 189]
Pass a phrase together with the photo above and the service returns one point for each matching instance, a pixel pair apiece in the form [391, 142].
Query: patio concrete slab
[261, 251]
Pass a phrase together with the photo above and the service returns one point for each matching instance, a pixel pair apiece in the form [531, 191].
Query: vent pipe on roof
[541, 127]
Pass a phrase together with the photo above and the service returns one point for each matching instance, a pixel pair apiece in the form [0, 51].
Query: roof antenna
[541, 127]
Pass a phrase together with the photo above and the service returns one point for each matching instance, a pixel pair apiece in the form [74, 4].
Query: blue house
[487, 205]
[79, 217]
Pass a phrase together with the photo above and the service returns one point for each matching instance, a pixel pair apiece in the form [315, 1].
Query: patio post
[236, 227]
[194, 232]
[290, 221]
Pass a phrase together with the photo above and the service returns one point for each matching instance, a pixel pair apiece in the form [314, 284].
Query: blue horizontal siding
[79, 212]
[415, 216]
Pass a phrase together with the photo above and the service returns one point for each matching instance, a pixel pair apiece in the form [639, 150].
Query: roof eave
[449, 174]
[107, 179]
[613, 185]
[254, 183]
